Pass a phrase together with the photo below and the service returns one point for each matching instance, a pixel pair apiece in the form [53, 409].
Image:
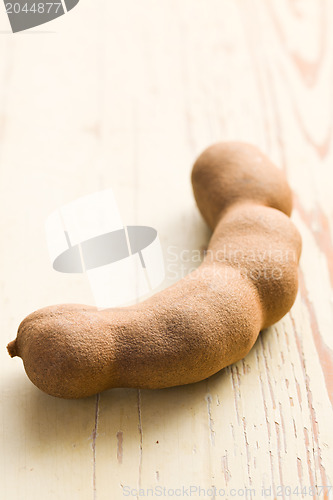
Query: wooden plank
[125, 96]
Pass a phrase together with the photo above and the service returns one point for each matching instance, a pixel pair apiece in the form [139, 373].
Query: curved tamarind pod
[206, 321]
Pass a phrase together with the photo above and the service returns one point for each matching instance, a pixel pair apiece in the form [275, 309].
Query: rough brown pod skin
[208, 320]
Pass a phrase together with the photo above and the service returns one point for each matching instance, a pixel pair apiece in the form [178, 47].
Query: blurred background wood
[126, 95]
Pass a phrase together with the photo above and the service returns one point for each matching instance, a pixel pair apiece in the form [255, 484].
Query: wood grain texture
[125, 95]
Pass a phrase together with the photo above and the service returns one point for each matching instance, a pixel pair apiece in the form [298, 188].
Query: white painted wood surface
[125, 94]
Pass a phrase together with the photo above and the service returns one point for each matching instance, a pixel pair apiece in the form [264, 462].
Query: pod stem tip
[12, 349]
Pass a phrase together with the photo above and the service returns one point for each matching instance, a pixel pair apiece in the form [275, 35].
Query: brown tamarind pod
[247, 281]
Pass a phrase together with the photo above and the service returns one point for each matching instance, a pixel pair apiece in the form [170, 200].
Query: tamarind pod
[210, 319]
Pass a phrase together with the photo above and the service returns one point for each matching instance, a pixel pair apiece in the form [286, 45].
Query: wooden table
[126, 94]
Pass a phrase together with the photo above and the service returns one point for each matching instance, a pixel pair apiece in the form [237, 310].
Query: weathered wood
[125, 95]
